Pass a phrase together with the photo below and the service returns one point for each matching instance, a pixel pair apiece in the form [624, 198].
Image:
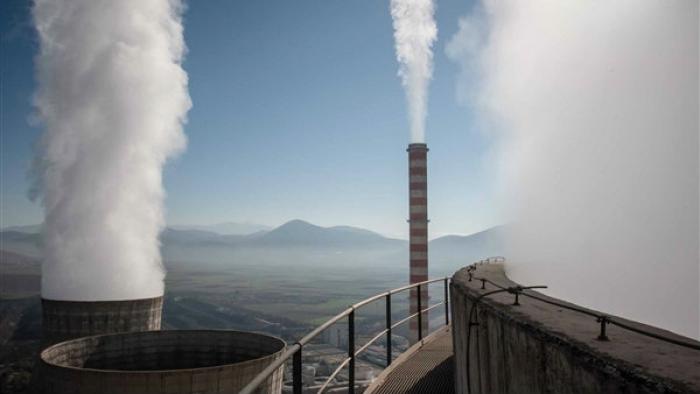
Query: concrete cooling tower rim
[275, 346]
[65, 320]
[105, 300]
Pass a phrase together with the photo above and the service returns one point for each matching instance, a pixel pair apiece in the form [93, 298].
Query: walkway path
[427, 370]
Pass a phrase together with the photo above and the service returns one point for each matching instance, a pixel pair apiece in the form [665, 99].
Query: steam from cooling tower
[113, 97]
[414, 33]
[597, 107]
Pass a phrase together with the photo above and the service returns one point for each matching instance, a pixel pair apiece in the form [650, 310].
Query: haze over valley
[282, 280]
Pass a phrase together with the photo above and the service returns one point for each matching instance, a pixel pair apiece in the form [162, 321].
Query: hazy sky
[297, 113]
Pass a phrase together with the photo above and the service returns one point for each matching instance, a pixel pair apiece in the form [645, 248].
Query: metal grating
[429, 370]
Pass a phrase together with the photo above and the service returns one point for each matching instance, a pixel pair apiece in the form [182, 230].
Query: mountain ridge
[225, 228]
[301, 235]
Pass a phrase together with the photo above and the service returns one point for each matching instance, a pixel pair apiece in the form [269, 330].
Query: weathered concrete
[200, 362]
[62, 320]
[541, 348]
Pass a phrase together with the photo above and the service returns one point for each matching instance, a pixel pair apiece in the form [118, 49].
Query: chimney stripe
[419, 209]
[419, 193]
[419, 255]
[420, 278]
[418, 201]
[422, 271]
[419, 247]
[420, 224]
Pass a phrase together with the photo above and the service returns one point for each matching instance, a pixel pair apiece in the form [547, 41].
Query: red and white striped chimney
[418, 229]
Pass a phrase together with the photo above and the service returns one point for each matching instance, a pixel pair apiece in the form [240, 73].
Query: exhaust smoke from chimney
[113, 97]
[414, 33]
[598, 107]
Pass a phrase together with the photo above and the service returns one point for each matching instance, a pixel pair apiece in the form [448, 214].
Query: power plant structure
[418, 230]
[170, 361]
[63, 320]
[118, 347]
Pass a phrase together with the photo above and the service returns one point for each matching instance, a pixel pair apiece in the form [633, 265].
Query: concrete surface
[542, 348]
[62, 320]
[200, 362]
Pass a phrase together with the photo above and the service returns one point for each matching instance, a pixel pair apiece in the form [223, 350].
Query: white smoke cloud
[113, 97]
[414, 34]
[597, 103]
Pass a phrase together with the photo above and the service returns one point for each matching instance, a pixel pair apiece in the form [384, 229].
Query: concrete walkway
[425, 369]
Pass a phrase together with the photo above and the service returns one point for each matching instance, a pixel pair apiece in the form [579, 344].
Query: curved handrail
[294, 351]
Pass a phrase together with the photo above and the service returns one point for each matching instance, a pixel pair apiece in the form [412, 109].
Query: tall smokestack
[418, 229]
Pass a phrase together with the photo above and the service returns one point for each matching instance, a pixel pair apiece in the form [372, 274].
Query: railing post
[388, 329]
[447, 303]
[603, 320]
[296, 371]
[420, 316]
[351, 352]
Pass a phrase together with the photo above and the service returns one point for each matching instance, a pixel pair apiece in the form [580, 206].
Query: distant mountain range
[301, 233]
[467, 248]
[226, 228]
[293, 235]
[24, 243]
[30, 228]
[296, 233]
[15, 260]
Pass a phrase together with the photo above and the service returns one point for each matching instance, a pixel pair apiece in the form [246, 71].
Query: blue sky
[297, 113]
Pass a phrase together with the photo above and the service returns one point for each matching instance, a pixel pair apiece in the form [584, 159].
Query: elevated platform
[549, 345]
[427, 367]
[539, 344]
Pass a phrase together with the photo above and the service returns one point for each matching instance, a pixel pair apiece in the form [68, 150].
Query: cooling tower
[198, 361]
[63, 320]
[418, 229]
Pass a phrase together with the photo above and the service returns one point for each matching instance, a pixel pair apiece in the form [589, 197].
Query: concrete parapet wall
[200, 362]
[541, 348]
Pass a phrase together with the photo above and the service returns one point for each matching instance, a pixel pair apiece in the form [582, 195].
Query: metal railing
[295, 350]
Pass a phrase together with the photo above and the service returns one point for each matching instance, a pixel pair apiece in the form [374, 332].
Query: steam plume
[597, 103]
[414, 33]
[113, 97]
